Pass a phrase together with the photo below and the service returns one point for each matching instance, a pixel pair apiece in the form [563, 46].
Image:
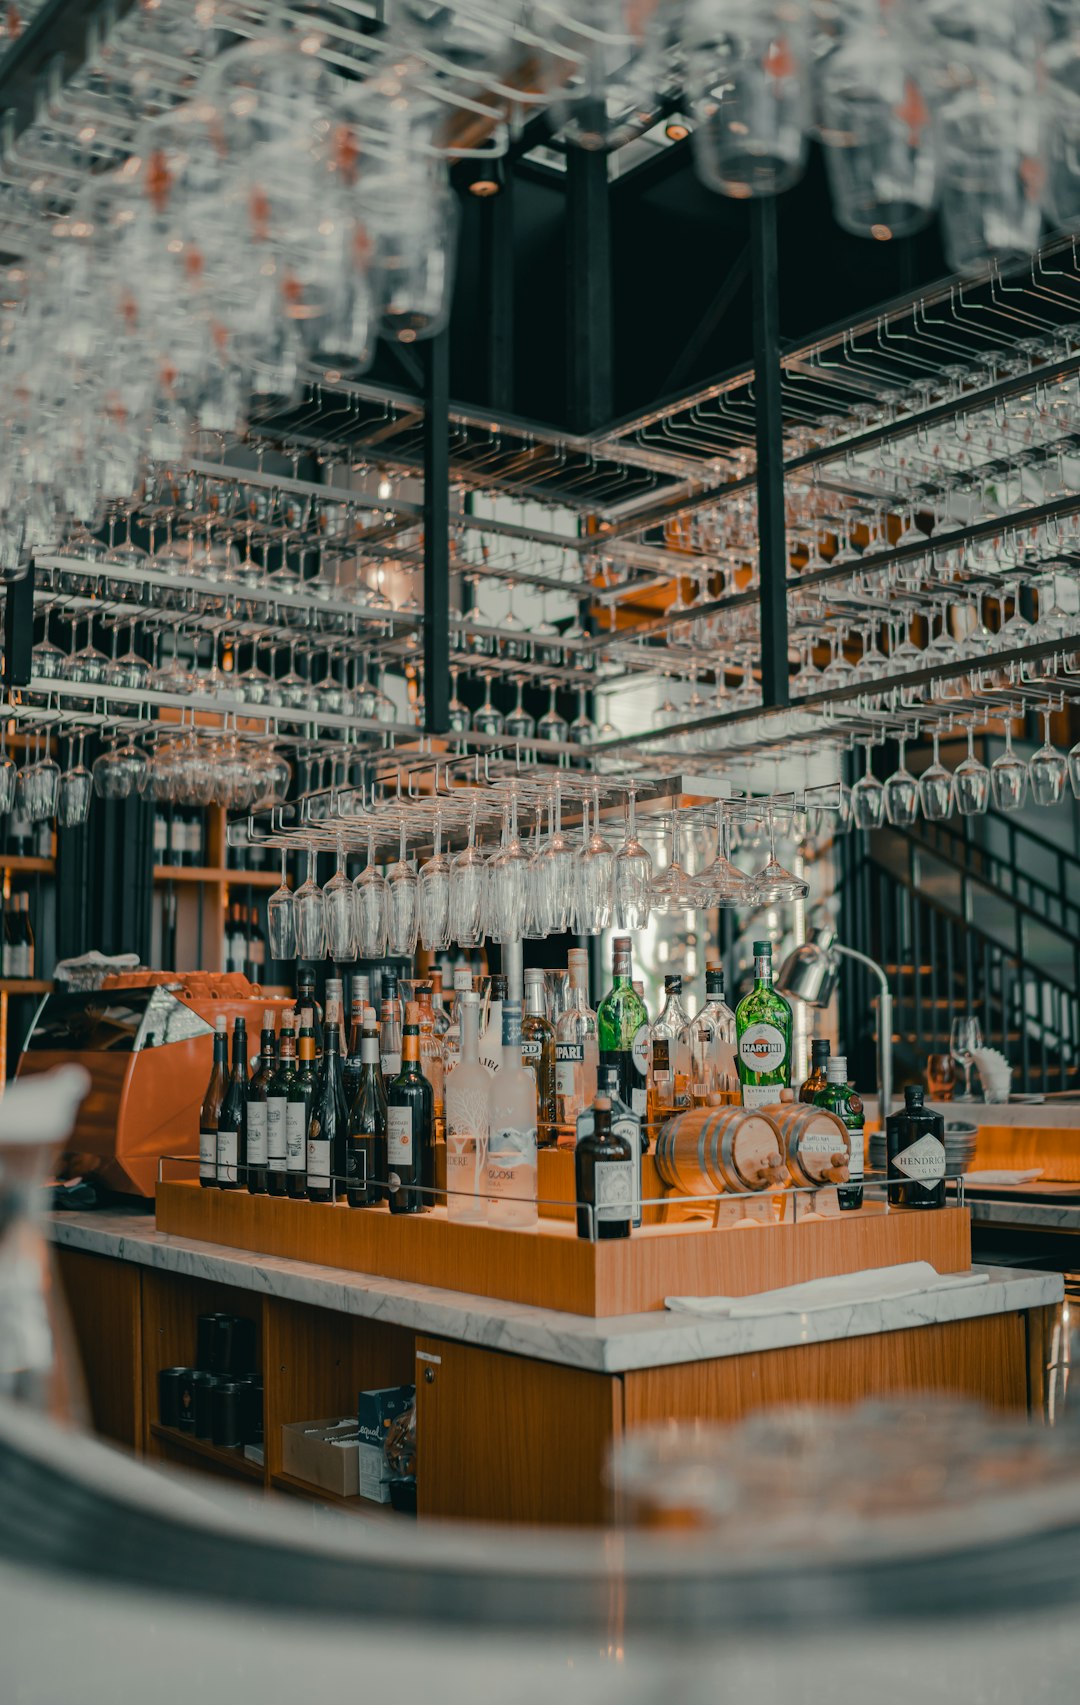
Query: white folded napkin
[873, 1284]
[996, 1177]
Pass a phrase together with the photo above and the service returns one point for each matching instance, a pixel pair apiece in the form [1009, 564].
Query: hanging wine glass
[467, 875]
[459, 718]
[1048, 769]
[76, 788]
[971, 782]
[309, 910]
[902, 793]
[674, 890]
[281, 918]
[435, 897]
[519, 724]
[403, 902]
[371, 903]
[9, 771]
[487, 720]
[1008, 776]
[773, 885]
[868, 798]
[508, 880]
[1074, 770]
[722, 883]
[556, 868]
[936, 788]
[596, 871]
[632, 872]
[551, 725]
[340, 912]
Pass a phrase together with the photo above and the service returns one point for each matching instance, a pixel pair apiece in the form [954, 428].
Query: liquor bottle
[27, 933]
[813, 1085]
[354, 1058]
[410, 1113]
[390, 1030]
[256, 951]
[915, 1141]
[577, 1053]
[712, 1044]
[177, 846]
[431, 1055]
[669, 1056]
[763, 1036]
[365, 1147]
[441, 1018]
[491, 1049]
[452, 1040]
[538, 1056]
[361, 989]
[258, 1138]
[211, 1107]
[511, 1175]
[329, 1115]
[277, 1099]
[467, 1094]
[841, 1098]
[232, 1117]
[604, 1177]
[297, 1109]
[161, 837]
[622, 1027]
[335, 991]
[305, 1000]
[625, 1123]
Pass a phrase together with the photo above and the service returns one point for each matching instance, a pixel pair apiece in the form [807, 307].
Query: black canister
[174, 1385]
[205, 1327]
[225, 1412]
[202, 1387]
[251, 1409]
[234, 1345]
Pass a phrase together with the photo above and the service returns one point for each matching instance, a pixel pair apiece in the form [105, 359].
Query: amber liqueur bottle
[813, 1085]
[604, 1177]
[365, 1149]
[915, 1143]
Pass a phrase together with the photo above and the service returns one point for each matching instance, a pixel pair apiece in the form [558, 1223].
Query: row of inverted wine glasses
[39, 789]
[968, 789]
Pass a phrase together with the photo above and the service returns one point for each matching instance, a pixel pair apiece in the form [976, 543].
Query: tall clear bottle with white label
[763, 1036]
[511, 1164]
[577, 1051]
[467, 1095]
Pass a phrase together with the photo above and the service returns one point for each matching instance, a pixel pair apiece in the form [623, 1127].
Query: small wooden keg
[709, 1150]
[817, 1144]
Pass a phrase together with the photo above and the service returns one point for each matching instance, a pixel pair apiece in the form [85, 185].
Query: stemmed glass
[595, 876]
[435, 897]
[965, 1038]
[403, 902]
[309, 910]
[971, 782]
[340, 912]
[868, 798]
[36, 786]
[508, 881]
[9, 771]
[773, 884]
[632, 872]
[1047, 769]
[372, 904]
[552, 726]
[281, 917]
[1074, 770]
[555, 872]
[722, 883]
[936, 788]
[1008, 776]
[674, 889]
[467, 877]
[488, 720]
[76, 788]
[902, 794]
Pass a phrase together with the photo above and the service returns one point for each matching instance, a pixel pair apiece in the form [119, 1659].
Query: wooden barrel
[816, 1144]
[709, 1150]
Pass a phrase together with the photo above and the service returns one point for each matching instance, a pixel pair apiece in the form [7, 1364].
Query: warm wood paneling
[103, 1301]
[501, 1438]
[315, 1363]
[1056, 1149]
[984, 1359]
[550, 1266]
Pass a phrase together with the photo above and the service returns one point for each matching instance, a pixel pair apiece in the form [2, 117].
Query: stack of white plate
[960, 1139]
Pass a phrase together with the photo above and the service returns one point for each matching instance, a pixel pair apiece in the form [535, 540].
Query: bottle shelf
[25, 986]
[27, 862]
[357, 1505]
[234, 1460]
[216, 873]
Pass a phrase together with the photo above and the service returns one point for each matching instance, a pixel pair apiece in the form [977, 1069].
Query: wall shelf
[234, 1460]
[27, 862]
[25, 986]
[216, 873]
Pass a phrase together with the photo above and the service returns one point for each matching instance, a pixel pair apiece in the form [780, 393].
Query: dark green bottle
[258, 1135]
[841, 1098]
[297, 1111]
[232, 1119]
[365, 1149]
[410, 1125]
[329, 1115]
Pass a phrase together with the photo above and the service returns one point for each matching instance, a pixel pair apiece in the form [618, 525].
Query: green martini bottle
[763, 1036]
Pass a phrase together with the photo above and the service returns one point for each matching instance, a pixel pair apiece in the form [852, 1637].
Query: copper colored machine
[146, 1039]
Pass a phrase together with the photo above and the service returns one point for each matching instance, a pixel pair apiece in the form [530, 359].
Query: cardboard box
[324, 1453]
[376, 1413]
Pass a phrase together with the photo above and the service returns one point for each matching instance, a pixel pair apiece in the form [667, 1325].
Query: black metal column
[437, 535]
[588, 310]
[19, 630]
[772, 543]
[497, 228]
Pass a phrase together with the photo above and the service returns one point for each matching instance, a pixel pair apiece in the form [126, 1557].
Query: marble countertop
[1019, 1211]
[619, 1344]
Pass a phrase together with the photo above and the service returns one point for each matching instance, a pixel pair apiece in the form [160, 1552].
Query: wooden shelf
[231, 1459]
[27, 862]
[216, 873]
[24, 986]
[356, 1505]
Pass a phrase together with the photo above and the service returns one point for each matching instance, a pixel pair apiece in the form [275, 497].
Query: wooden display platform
[549, 1266]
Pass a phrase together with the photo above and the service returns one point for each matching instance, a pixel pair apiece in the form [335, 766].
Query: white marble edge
[620, 1344]
[1047, 1216]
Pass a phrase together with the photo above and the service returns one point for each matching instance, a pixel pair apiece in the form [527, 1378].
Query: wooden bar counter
[516, 1403]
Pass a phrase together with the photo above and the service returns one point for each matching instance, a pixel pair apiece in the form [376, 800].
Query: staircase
[973, 915]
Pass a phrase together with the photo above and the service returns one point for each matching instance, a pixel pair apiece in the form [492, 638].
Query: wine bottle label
[531, 1049]
[257, 1133]
[818, 1139]
[296, 1123]
[391, 1065]
[399, 1136]
[762, 1048]
[207, 1154]
[661, 1057]
[275, 1133]
[356, 1165]
[627, 1126]
[614, 1184]
[924, 1161]
[511, 1163]
[639, 1050]
[568, 1056]
[856, 1158]
[318, 1157]
[228, 1156]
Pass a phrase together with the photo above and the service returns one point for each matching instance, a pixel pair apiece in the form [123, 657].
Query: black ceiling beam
[589, 386]
[769, 429]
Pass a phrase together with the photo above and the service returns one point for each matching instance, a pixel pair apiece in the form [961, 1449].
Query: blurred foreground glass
[38, 1362]
[748, 87]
